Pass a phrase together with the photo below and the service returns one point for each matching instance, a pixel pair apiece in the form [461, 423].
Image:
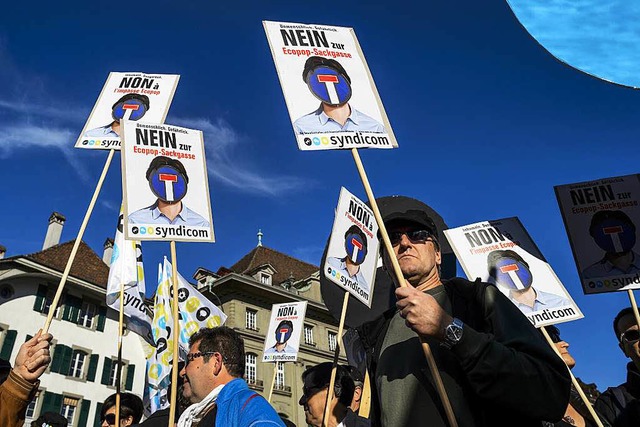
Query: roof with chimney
[87, 265]
[286, 267]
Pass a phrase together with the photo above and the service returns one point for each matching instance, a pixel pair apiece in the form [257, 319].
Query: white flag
[126, 269]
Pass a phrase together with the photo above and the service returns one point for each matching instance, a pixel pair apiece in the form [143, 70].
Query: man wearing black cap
[495, 367]
[329, 82]
[315, 384]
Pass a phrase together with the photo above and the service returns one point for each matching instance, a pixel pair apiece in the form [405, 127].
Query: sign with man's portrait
[600, 218]
[502, 252]
[352, 255]
[165, 185]
[127, 96]
[282, 340]
[330, 93]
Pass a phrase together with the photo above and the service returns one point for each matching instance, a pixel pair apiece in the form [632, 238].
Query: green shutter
[84, 412]
[51, 402]
[76, 305]
[61, 358]
[131, 369]
[40, 296]
[7, 345]
[93, 367]
[97, 422]
[102, 318]
[65, 366]
[28, 337]
[106, 368]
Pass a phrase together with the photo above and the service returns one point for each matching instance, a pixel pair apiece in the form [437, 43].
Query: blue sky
[486, 119]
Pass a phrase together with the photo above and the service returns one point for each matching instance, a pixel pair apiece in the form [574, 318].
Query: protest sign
[352, 255]
[502, 252]
[282, 340]
[165, 185]
[600, 218]
[330, 93]
[129, 96]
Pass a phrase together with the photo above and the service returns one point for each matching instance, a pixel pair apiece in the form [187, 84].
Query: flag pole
[176, 333]
[336, 355]
[76, 245]
[584, 398]
[442, 392]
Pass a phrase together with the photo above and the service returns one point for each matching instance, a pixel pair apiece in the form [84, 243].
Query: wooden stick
[442, 392]
[119, 367]
[273, 380]
[573, 379]
[634, 305]
[76, 245]
[336, 356]
[176, 333]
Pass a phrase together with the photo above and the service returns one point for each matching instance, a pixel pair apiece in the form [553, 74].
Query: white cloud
[222, 142]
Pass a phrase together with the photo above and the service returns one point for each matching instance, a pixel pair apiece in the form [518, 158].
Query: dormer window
[265, 278]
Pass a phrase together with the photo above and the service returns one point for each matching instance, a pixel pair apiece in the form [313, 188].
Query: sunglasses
[192, 356]
[415, 236]
[630, 336]
[109, 418]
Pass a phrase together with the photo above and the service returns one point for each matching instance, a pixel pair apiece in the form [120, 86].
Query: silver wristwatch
[453, 333]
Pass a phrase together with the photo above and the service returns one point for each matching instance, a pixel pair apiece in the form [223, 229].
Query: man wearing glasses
[620, 406]
[213, 383]
[495, 367]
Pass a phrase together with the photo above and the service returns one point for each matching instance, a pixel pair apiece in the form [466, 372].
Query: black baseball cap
[402, 208]
[50, 419]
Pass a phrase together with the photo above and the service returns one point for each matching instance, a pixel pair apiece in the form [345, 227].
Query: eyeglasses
[109, 418]
[192, 356]
[630, 336]
[415, 236]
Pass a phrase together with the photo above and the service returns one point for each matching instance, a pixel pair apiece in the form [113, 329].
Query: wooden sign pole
[76, 245]
[336, 356]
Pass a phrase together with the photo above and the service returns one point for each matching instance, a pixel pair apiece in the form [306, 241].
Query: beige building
[246, 291]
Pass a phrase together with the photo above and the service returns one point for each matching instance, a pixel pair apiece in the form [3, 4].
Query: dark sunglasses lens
[395, 237]
[632, 335]
[110, 418]
[418, 235]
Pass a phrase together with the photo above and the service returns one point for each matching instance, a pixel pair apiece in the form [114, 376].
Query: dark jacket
[620, 406]
[500, 373]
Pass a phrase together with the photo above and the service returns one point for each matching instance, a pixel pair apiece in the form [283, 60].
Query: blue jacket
[238, 406]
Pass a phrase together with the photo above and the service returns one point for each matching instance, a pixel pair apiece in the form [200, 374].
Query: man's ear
[621, 345]
[217, 366]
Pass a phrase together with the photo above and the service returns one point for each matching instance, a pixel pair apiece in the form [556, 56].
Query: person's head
[502, 262]
[628, 335]
[358, 382]
[131, 409]
[613, 231]
[168, 179]
[50, 419]
[315, 384]
[135, 103]
[283, 331]
[413, 235]
[355, 244]
[216, 356]
[561, 345]
[327, 80]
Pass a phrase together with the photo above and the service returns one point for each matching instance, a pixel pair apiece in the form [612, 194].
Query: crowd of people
[496, 367]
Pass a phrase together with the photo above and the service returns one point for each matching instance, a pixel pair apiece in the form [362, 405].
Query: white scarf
[195, 412]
